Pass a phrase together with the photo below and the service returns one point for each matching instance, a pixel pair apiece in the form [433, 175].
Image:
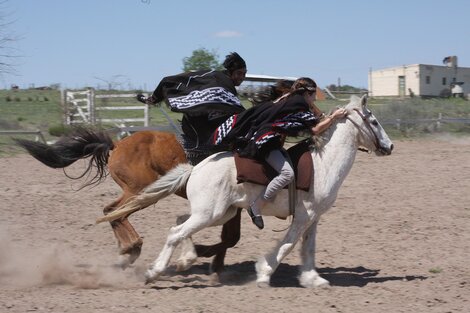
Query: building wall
[385, 82]
[422, 79]
[441, 77]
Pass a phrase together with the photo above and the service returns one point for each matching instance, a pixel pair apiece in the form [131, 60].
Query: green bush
[59, 130]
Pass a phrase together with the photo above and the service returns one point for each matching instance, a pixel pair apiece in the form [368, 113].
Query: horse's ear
[364, 100]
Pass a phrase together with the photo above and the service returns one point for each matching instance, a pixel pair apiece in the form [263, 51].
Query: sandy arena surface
[397, 240]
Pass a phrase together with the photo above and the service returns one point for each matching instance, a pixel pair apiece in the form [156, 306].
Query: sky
[136, 43]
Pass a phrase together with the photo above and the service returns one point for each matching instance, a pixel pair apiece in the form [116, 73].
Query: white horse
[214, 194]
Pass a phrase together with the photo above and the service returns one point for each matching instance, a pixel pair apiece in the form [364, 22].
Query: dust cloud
[22, 266]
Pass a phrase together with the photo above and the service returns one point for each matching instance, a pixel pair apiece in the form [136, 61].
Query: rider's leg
[278, 161]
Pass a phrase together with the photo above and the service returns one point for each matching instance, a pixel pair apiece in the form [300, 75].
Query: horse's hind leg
[230, 236]
[175, 236]
[129, 241]
[189, 252]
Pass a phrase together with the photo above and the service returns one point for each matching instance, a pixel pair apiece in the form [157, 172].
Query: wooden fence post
[91, 106]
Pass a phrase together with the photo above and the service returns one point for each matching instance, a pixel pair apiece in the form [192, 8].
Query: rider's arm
[327, 121]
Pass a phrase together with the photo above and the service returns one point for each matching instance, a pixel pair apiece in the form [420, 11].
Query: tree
[114, 82]
[201, 59]
[6, 39]
[344, 88]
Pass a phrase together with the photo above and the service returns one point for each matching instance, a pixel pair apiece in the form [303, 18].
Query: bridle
[371, 134]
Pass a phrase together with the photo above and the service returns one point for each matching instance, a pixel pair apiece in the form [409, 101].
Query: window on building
[444, 81]
[428, 80]
[454, 79]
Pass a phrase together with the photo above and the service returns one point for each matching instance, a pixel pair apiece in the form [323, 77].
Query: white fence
[80, 108]
[437, 122]
[38, 133]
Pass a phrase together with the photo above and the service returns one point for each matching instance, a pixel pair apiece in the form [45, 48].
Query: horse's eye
[375, 123]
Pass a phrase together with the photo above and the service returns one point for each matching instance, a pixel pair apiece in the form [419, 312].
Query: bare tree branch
[115, 81]
[7, 52]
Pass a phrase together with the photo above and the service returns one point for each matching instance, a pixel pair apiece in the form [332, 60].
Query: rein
[374, 136]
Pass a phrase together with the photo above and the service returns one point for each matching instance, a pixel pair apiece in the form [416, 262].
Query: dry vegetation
[41, 110]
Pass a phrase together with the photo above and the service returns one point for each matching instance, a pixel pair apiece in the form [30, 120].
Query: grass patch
[41, 110]
[435, 270]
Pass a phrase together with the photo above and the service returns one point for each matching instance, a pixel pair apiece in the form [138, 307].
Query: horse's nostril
[391, 147]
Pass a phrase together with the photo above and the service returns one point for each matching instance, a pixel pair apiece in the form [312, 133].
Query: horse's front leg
[308, 275]
[266, 266]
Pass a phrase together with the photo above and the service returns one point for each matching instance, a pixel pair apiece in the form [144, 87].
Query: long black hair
[271, 92]
[304, 84]
[299, 87]
[233, 62]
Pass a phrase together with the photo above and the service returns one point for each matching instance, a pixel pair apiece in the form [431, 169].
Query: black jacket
[199, 93]
[260, 129]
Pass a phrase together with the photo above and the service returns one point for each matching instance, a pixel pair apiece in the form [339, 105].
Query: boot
[256, 219]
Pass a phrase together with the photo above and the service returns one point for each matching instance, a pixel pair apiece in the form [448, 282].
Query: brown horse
[133, 162]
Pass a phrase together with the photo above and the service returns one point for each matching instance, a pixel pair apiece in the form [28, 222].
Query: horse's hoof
[322, 284]
[311, 279]
[150, 278]
[129, 256]
[133, 257]
[214, 279]
[183, 265]
[263, 284]
[123, 261]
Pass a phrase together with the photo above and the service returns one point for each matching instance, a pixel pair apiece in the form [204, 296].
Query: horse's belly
[278, 207]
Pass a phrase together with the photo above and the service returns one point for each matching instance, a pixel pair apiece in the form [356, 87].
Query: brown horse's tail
[81, 143]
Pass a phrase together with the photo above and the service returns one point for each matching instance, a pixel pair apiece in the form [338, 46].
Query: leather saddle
[261, 173]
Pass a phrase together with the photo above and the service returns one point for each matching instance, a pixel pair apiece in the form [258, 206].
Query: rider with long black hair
[206, 98]
[259, 133]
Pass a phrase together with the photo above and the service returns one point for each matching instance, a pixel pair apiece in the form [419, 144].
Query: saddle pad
[261, 173]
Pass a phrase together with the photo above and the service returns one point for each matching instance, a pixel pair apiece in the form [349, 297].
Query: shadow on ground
[285, 276]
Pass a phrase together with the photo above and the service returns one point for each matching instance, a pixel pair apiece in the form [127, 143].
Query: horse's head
[372, 137]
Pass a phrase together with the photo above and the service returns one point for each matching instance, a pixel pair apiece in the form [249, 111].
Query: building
[421, 80]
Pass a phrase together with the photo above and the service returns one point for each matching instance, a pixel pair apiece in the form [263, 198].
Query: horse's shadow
[360, 276]
[286, 275]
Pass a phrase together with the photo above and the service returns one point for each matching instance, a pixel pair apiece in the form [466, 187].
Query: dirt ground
[397, 240]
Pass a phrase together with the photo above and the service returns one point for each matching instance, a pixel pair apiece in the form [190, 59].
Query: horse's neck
[334, 160]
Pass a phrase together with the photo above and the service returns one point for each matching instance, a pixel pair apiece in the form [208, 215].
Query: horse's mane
[321, 140]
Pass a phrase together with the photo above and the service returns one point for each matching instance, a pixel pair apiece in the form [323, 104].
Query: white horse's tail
[166, 185]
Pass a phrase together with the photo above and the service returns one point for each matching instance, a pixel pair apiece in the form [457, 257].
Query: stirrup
[256, 219]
